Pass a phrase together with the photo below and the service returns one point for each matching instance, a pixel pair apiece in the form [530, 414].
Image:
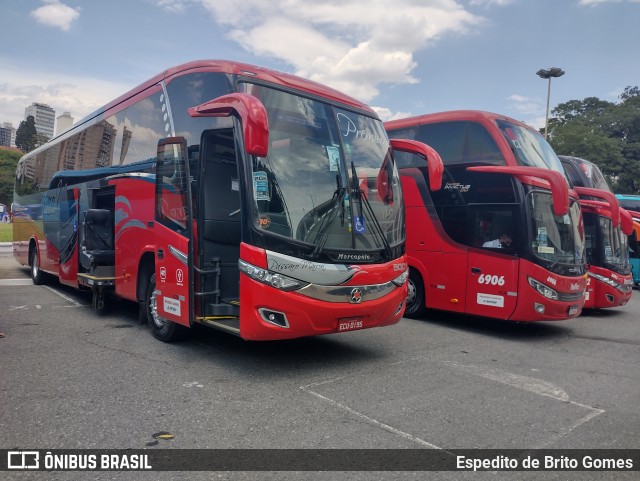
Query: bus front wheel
[162, 329]
[37, 276]
[415, 297]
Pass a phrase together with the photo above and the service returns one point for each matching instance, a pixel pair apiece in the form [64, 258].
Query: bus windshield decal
[348, 127]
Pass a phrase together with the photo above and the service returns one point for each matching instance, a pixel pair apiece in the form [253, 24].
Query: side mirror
[250, 111]
[434, 161]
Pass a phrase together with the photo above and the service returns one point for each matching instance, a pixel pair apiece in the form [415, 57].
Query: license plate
[573, 310]
[349, 324]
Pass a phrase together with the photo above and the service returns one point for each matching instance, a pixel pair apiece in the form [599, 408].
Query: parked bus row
[273, 207]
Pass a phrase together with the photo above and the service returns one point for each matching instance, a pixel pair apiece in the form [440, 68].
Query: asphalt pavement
[73, 379]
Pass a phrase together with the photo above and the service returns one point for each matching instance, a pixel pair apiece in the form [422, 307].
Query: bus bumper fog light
[539, 308]
[274, 317]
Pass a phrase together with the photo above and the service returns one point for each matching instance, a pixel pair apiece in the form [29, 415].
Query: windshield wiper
[336, 205]
[360, 197]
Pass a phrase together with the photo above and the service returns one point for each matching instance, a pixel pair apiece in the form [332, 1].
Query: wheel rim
[153, 307]
[411, 294]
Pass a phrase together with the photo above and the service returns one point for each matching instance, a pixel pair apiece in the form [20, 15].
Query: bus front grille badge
[356, 295]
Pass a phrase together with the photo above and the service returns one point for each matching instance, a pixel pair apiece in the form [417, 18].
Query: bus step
[223, 309]
[229, 324]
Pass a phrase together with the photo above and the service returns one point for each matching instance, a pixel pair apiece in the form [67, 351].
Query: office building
[44, 117]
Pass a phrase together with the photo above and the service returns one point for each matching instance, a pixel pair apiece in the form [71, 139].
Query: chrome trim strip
[343, 293]
[181, 256]
[309, 271]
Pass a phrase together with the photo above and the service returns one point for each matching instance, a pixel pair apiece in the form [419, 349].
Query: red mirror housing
[606, 196]
[434, 162]
[252, 113]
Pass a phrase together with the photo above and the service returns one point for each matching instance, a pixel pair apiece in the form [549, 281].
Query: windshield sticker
[261, 186]
[360, 226]
[542, 237]
[263, 222]
[546, 250]
[333, 152]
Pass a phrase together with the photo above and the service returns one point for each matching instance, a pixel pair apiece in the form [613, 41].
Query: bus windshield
[615, 246]
[558, 240]
[328, 179]
[530, 148]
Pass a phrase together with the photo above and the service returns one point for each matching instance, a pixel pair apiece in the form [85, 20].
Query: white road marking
[531, 384]
[16, 282]
[526, 383]
[368, 419]
[66, 298]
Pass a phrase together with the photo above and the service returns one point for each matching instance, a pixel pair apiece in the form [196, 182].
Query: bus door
[173, 259]
[219, 227]
[493, 266]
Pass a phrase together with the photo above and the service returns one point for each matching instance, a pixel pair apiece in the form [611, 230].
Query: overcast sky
[402, 57]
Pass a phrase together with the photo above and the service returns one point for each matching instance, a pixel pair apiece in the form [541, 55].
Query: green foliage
[8, 162]
[6, 232]
[27, 135]
[606, 133]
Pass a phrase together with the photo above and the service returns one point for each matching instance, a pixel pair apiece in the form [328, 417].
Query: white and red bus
[503, 237]
[223, 194]
[606, 231]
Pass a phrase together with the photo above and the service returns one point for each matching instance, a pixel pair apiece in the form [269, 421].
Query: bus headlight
[273, 279]
[542, 289]
[401, 279]
[606, 280]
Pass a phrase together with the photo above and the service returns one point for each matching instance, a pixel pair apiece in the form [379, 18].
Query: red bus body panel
[459, 278]
[308, 316]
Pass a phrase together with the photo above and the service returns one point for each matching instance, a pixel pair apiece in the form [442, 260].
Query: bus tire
[415, 297]
[37, 276]
[162, 329]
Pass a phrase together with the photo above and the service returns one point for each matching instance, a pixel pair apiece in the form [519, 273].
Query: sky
[402, 57]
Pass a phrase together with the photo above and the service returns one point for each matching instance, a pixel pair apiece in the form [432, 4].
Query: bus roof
[451, 116]
[248, 71]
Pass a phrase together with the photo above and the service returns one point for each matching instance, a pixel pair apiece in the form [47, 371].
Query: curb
[6, 244]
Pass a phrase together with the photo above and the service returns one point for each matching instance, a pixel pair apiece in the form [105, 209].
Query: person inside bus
[501, 242]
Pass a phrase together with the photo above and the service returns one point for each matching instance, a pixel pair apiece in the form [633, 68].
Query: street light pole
[547, 74]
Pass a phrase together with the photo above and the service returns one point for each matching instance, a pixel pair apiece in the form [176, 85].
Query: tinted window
[461, 142]
[190, 90]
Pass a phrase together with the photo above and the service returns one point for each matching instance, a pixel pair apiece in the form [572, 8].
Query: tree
[8, 163]
[26, 134]
[606, 133]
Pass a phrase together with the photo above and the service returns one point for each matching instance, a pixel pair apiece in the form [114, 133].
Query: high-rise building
[5, 137]
[63, 122]
[44, 116]
[11, 128]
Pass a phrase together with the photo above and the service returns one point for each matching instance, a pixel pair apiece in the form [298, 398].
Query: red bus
[503, 238]
[223, 194]
[606, 227]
